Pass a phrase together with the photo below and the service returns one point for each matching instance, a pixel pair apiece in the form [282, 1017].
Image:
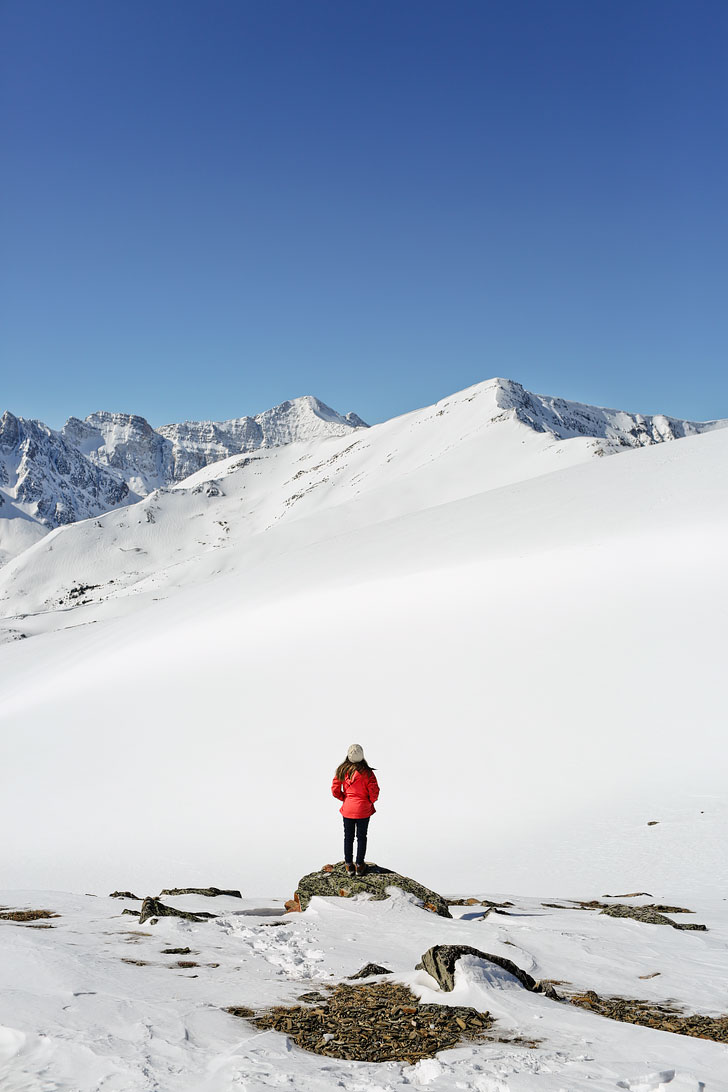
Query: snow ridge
[110, 459]
[566, 420]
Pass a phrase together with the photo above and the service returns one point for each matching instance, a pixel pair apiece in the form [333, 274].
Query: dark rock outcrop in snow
[440, 961]
[375, 883]
[208, 892]
[369, 970]
[648, 915]
[153, 908]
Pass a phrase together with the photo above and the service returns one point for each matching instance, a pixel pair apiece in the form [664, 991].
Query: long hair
[348, 769]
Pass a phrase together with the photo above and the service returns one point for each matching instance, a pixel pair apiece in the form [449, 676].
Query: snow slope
[112, 459]
[562, 633]
[148, 459]
[75, 1017]
[530, 644]
[491, 435]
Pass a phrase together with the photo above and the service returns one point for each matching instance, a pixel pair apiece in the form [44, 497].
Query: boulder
[369, 970]
[153, 908]
[374, 883]
[440, 963]
[209, 892]
[650, 915]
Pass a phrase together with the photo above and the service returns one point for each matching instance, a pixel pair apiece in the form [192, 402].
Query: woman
[354, 783]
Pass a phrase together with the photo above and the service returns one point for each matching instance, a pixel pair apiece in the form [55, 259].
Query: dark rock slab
[648, 915]
[440, 961]
[153, 908]
[208, 892]
[369, 970]
[337, 881]
[124, 895]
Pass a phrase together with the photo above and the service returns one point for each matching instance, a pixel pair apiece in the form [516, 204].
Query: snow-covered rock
[111, 459]
[48, 479]
[195, 444]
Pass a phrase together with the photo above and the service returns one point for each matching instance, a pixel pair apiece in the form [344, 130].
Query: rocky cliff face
[565, 420]
[148, 458]
[50, 480]
[110, 459]
[195, 444]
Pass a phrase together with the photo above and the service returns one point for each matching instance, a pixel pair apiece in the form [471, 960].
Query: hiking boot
[361, 870]
[349, 868]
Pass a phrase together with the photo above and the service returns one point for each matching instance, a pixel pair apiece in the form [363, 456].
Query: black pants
[358, 826]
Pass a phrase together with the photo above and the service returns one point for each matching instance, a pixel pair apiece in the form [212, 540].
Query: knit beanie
[355, 753]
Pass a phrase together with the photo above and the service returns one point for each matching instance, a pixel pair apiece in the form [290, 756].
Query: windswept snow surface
[77, 1014]
[528, 641]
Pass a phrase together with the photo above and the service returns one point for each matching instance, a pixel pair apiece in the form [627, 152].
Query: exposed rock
[478, 902]
[209, 892]
[631, 895]
[176, 951]
[154, 908]
[374, 883]
[649, 915]
[654, 823]
[49, 479]
[369, 970]
[124, 895]
[440, 961]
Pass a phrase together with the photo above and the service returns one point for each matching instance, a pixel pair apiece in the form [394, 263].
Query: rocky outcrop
[369, 970]
[153, 908]
[49, 480]
[124, 895]
[440, 961]
[334, 880]
[650, 916]
[208, 892]
[565, 420]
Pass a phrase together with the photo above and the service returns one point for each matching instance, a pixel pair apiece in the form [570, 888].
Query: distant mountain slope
[491, 435]
[111, 459]
[48, 479]
[535, 666]
[148, 458]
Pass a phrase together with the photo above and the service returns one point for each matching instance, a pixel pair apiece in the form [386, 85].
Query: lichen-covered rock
[153, 908]
[208, 892]
[374, 883]
[440, 961]
[648, 915]
[369, 970]
[124, 895]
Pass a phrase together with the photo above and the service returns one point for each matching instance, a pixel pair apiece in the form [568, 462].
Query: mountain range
[52, 478]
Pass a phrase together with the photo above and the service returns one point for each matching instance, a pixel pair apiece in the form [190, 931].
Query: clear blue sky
[209, 207]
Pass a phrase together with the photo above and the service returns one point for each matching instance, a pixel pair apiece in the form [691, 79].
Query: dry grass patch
[28, 915]
[655, 1014]
[376, 1022]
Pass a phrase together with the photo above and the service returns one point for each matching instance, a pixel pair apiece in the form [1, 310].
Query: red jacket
[359, 791]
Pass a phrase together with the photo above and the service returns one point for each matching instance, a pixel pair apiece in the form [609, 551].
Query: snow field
[79, 1015]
